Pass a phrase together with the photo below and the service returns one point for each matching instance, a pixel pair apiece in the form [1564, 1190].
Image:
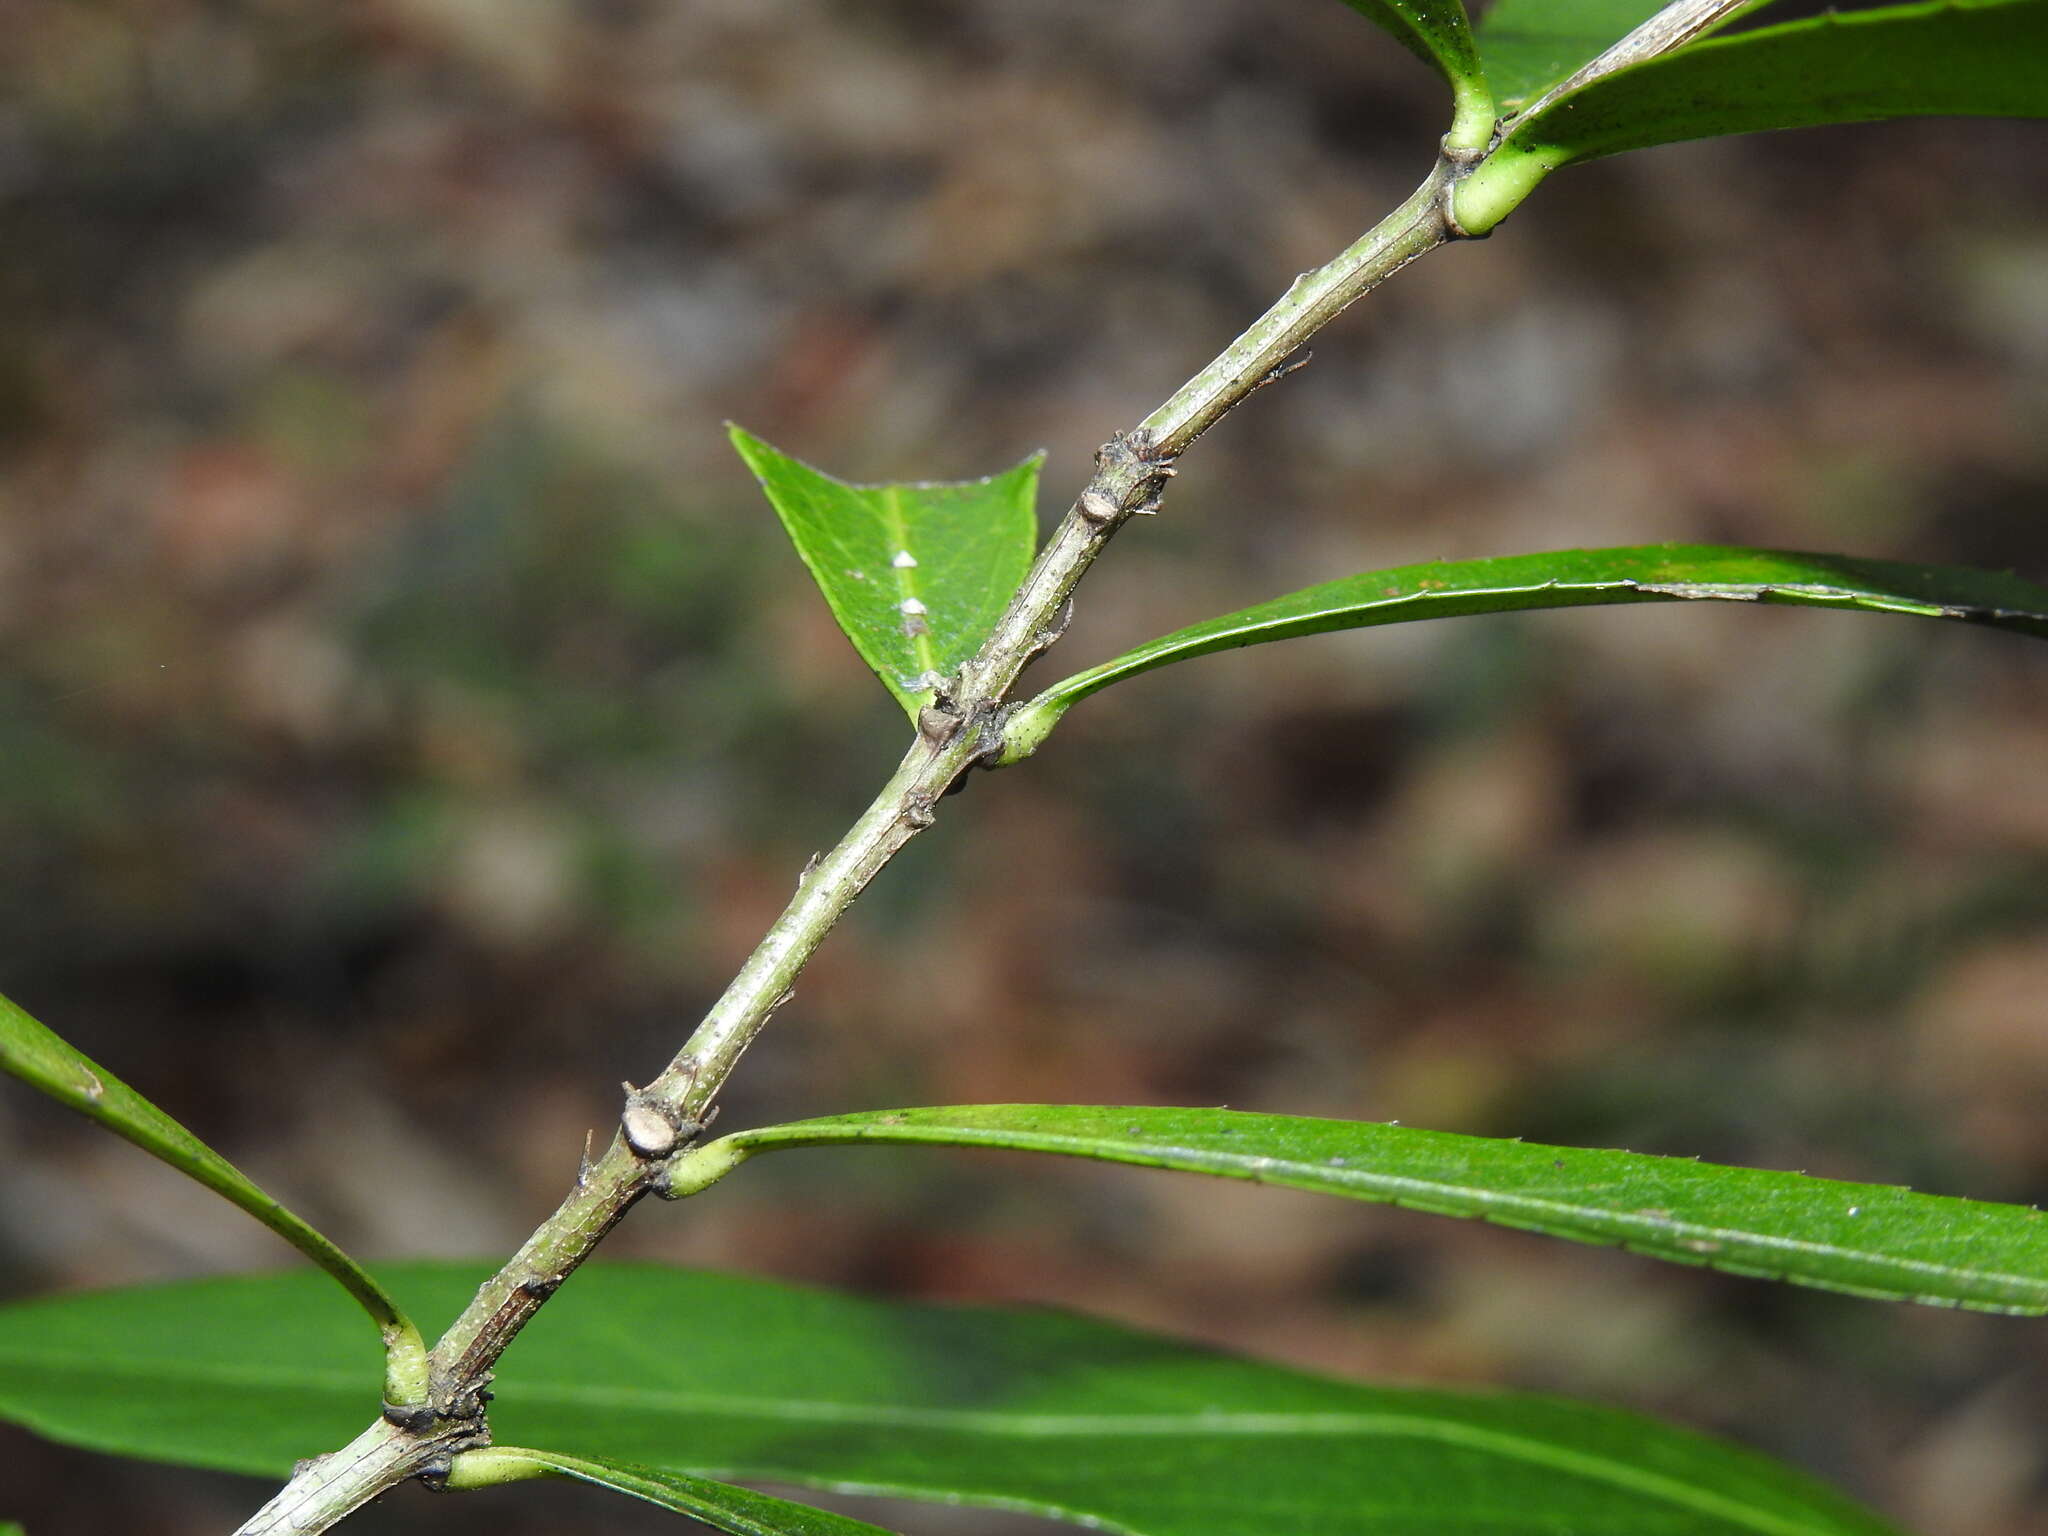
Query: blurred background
[410, 714]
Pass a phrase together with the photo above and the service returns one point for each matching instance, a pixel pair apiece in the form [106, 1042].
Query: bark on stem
[1131, 475]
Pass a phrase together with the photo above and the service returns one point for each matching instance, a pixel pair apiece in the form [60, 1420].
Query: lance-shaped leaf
[917, 575]
[722, 1506]
[1867, 1239]
[731, 1378]
[1654, 573]
[1440, 34]
[1962, 58]
[44, 1060]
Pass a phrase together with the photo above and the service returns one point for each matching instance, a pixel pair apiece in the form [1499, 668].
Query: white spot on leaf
[904, 560]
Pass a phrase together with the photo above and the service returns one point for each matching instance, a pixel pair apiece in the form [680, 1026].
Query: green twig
[962, 728]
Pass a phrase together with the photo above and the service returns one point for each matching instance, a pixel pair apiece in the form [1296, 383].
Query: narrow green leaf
[721, 1505]
[724, 1377]
[1964, 58]
[1440, 34]
[44, 1060]
[1654, 573]
[1867, 1239]
[917, 575]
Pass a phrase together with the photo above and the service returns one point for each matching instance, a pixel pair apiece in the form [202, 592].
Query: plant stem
[1312, 302]
[1314, 299]
[684, 1090]
[326, 1489]
[964, 727]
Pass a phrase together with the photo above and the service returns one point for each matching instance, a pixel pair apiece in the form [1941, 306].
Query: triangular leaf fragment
[916, 574]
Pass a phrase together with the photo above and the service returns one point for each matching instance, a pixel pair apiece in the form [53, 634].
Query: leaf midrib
[1356, 1425]
[1195, 1425]
[922, 648]
[1195, 637]
[1661, 1231]
[1009, 1425]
